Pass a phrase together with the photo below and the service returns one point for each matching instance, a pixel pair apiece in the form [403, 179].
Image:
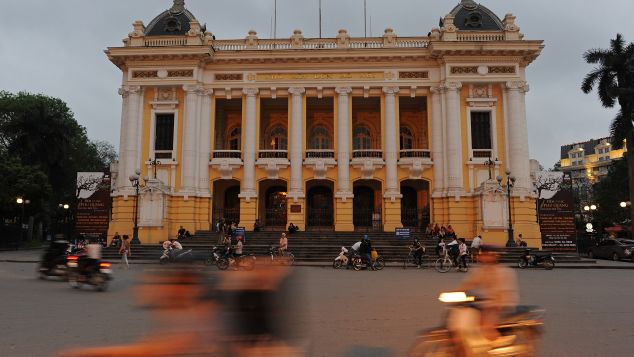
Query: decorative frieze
[482, 70]
[464, 70]
[413, 75]
[502, 69]
[144, 74]
[229, 76]
[180, 73]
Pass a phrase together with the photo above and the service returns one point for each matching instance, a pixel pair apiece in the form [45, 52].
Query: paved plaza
[347, 313]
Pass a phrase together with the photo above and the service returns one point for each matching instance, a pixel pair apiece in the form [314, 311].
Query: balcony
[273, 154]
[227, 154]
[367, 153]
[320, 154]
[416, 153]
[163, 154]
[482, 153]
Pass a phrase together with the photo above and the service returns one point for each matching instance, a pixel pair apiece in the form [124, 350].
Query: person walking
[418, 250]
[475, 247]
[283, 245]
[125, 251]
[462, 251]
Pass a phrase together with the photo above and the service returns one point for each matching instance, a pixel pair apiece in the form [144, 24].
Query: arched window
[278, 139]
[407, 139]
[320, 138]
[361, 138]
[234, 139]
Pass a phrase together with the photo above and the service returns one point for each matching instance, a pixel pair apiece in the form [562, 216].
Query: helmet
[365, 237]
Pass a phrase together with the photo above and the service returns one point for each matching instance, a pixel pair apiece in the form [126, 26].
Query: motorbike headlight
[628, 252]
[453, 297]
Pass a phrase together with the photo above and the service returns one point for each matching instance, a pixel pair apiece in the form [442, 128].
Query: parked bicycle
[446, 262]
[286, 258]
[410, 261]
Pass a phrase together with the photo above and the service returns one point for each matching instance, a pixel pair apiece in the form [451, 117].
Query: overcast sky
[56, 48]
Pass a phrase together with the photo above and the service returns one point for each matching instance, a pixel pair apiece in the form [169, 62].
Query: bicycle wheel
[409, 262]
[443, 265]
[379, 264]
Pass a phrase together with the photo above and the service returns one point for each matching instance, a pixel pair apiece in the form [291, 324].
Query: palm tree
[614, 81]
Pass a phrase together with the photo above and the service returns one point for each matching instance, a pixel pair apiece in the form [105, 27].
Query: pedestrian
[462, 251]
[366, 251]
[116, 240]
[283, 245]
[125, 251]
[436, 230]
[257, 226]
[429, 230]
[181, 232]
[418, 251]
[475, 247]
[454, 250]
[520, 241]
[440, 247]
[450, 232]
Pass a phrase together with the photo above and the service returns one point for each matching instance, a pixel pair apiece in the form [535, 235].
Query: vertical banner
[557, 217]
[93, 204]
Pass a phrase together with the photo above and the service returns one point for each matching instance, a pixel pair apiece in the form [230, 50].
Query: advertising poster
[93, 204]
[556, 217]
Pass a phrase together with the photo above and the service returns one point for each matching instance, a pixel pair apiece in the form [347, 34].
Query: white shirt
[453, 242]
[477, 241]
[93, 251]
[177, 245]
[356, 246]
[238, 249]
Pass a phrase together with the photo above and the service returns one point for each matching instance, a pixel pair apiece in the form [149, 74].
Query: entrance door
[275, 207]
[320, 208]
[409, 207]
[363, 206]
[232, 204]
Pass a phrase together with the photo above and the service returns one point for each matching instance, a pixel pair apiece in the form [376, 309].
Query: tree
[608, 193]
[614, 81]
[106, 153]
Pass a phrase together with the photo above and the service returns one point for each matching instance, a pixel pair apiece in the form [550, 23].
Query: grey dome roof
[470, 16]
[172, 22]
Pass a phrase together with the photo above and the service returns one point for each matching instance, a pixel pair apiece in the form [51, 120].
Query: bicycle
[411, 261]
[445, 263]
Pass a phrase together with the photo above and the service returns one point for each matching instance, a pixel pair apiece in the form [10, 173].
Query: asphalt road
[345, 313]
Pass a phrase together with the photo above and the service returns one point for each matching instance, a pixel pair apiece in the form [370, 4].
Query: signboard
[557, 220]
[403, 233]
[241, 232]
[93, 204]
[296, 208]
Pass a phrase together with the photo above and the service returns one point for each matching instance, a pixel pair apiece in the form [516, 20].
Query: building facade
[336, 133]
[589, 160]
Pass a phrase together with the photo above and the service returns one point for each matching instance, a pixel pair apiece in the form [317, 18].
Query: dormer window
[172, 25]
[474, 20]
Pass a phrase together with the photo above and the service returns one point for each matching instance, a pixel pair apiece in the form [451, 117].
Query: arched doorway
[319, 202]
[366, 205]
[273, 208]
[226, 203]
[415, 204]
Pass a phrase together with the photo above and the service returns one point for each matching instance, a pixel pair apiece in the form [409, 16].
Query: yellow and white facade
[336, 133]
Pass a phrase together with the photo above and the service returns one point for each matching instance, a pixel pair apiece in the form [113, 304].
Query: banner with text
[93, 204]
[557, 219]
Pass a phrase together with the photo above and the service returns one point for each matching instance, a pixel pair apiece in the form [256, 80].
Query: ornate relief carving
[464, 70]
[296, 90]
[451, 85]
[127, 90]
[389, 38]
[229, 76]
[480, 91]
[517, 85]
[416, 166]
[343, 91]
[320, 166]
[250, 92]
[391, 90]
[180, 73]
[502, 69]
[367, 166]
[272, 167]
[297, 40]
[413, 75]
[144, 74]
[226, 166]
[138, 29]
[343, 39]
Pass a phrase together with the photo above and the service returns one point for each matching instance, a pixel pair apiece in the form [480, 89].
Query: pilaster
[455, 186]
[343, 144]
[391, 148]
[250, 139]
[518, 137]
[437, 141]
[130, 148]
[204, 140]
[297, 127]
[190, 124]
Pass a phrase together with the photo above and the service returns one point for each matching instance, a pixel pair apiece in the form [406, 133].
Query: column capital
[436, 89]
[343, 91]
[451, 85]
[192, 88]
[206, 92]
[517, 85]
[296, 91]
[391, 90]
[250, 92]
[125, 91]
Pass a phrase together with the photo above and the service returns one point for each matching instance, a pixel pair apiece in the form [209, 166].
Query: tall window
[407, 139]
[278, 139]
[481, 131]
[164, 132]
[319, 138]
[234, 139]
[361, 138]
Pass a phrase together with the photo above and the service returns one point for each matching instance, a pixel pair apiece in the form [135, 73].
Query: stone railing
[419, 153]
[317, 44]
[320, 154]
[369, 153]
[165, 41]
[481, 36]
[227, 154]
[273, 154]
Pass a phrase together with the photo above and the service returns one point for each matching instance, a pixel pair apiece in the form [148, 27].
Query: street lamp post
[135, 180]
[510, 182]
[65, 207]
[21, 201]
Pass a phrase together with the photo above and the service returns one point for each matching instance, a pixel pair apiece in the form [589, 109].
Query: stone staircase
[314, 247]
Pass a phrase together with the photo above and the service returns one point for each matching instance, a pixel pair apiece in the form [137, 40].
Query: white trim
[492, 119]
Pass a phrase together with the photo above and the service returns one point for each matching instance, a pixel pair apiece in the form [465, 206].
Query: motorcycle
[341, 260]
[286, 259]
[171, 255]
[459, 335]
[537, 259]
[358, 262]
[80, 274]
[53, 261]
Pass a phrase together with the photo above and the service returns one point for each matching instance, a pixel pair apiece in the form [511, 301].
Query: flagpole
[319, 18]
[275, 19]
[365, 18]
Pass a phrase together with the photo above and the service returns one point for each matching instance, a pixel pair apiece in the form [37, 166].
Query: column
[437, 141]
[250, 139]
[391, 147]
[455, 186]
[297, 121]
[189, 139]
[518, 136]
[343, 201]
[132, 136]
[343, 143]
[122, 179]
[204, 140]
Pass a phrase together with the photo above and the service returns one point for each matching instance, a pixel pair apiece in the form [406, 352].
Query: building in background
[342, 133]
